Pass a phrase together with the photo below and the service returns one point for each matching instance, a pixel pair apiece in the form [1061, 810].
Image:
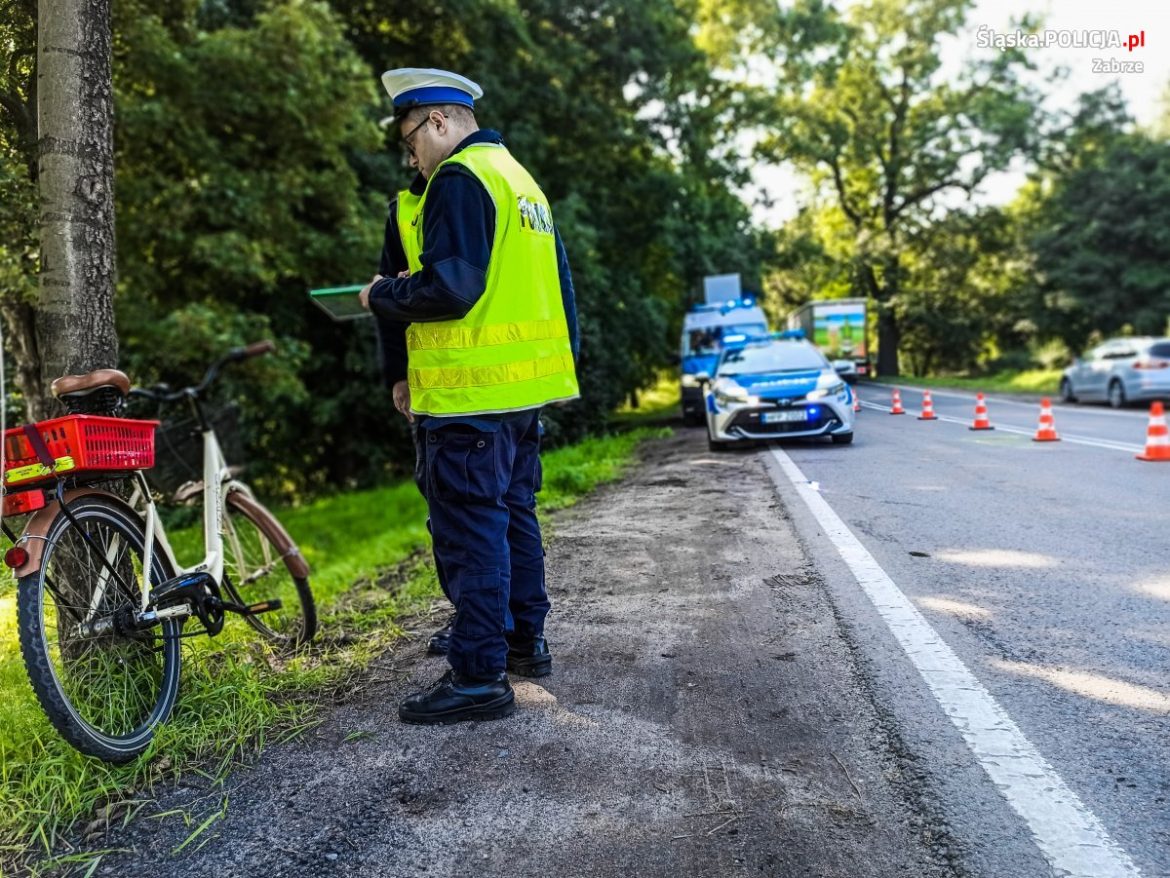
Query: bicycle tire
[261, 562]
[105, 694]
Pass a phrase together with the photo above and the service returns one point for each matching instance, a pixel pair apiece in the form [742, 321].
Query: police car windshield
[777, 357]
[709, 340]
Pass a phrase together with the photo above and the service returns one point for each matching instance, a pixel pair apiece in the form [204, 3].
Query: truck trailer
[838, 328]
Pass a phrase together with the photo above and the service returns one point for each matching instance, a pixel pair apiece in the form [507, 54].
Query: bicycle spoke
[255, 570]
[111, 680]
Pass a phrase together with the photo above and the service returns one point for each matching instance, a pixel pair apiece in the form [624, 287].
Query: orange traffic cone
[897, 409]
[856, 401]
[1157, 436]
[1046, 431]
[927, 408]
[982, 422]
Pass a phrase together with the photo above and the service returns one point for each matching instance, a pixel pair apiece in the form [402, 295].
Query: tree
[962, 303]
[1100, 235]
[239, 190]
[859, 105]
[813, 250]
[19, 256]
[74, 315]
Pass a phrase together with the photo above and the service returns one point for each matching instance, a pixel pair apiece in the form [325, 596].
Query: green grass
[1026, 381]
[655, 405]
[371, 568]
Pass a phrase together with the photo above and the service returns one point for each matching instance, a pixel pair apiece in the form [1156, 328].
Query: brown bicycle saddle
[68, 384]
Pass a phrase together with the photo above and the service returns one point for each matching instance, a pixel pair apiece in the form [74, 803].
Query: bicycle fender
[37, 528]
[274, 530]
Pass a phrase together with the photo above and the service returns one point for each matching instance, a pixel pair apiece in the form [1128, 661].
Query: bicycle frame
[217, 484]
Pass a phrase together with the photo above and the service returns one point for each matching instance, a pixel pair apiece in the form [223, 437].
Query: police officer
[491, 339]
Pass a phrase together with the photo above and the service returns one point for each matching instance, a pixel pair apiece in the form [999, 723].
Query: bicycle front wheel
[105, 685]
[262, 563]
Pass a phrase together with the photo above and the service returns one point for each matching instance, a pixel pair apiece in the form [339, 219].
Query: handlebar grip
[259, 348]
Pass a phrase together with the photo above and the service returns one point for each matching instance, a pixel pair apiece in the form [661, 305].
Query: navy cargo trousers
[480, 478]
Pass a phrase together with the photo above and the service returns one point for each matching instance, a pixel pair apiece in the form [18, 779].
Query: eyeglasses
[413, 131]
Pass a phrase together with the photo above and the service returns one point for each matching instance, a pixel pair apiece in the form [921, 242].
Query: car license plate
[784, 417]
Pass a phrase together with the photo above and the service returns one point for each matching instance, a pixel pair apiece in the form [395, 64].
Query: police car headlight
[822, 392]
[734, 396]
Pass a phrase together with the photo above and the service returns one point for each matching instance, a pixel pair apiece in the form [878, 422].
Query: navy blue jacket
[459, 225]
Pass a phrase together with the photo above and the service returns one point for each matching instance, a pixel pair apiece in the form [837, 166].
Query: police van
[707, 329]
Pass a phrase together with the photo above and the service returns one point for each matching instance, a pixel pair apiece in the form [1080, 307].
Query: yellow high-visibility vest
[407, 207]
[511, 352]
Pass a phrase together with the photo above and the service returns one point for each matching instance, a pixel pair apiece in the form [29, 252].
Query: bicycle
[99, 638]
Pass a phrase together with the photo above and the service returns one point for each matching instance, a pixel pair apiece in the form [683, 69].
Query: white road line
[1064, 437]
[1069, 835]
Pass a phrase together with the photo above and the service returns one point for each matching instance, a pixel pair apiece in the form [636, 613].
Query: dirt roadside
[705, 718]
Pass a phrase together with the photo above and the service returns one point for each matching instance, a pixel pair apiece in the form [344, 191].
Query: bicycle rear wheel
[104, 685]
[261, 562]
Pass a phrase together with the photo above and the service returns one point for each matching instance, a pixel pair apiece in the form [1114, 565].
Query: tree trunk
[75, 115]
[889, 336]
[888, 339]
[887, 324]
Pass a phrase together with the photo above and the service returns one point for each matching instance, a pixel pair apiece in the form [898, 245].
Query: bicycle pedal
[263, 607]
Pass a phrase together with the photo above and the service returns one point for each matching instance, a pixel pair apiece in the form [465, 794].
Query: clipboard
[340, 303]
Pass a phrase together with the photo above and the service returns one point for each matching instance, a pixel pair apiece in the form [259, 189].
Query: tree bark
[888, 339]
[75, 115]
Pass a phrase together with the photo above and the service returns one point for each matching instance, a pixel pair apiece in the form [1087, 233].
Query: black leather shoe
[440, 643]
[529, 656]
[455, 698]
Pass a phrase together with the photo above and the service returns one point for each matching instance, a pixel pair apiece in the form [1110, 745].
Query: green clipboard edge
[340, 303]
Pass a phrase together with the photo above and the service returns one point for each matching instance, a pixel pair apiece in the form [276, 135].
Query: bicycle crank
[199, 591]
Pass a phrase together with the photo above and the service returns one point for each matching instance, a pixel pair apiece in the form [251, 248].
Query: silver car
[1120, 371]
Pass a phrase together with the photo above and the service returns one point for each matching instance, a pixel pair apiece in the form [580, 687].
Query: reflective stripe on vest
[511, 351]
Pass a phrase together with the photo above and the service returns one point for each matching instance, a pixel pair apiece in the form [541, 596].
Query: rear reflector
[16, 557]
[25, 501]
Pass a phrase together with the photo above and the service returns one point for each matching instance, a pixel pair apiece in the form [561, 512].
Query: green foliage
[236, 193]
[18, 217]
[1099, 228]
[960, 303]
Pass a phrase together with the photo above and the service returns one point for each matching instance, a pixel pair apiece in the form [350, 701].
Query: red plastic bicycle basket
[78, 444]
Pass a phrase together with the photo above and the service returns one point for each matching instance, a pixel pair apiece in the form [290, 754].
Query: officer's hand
[401, 394]
[364, 295]
[404, 273]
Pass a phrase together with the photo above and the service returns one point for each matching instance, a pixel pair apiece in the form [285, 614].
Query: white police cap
[422, 86]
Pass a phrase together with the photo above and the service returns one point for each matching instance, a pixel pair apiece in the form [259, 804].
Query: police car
[775, 388]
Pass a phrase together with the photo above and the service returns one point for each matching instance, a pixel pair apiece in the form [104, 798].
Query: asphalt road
[1044, 568]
